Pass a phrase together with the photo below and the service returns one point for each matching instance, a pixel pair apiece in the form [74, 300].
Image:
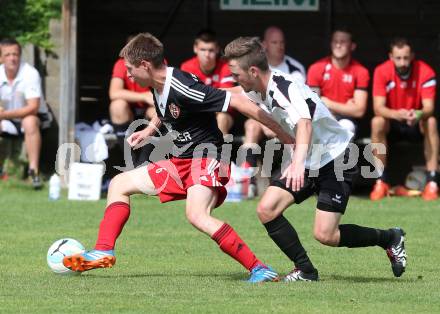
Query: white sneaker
[299, 275]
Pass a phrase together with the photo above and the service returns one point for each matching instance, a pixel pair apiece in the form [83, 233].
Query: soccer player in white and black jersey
[187, 108]
[321, 144]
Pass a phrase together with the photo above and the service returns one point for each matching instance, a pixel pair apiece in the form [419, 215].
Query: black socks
[286, 238]
[120, 130]
[353, 236]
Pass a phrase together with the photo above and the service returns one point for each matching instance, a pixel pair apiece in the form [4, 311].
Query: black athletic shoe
[37, 183]
[396, 252]
[299, 275]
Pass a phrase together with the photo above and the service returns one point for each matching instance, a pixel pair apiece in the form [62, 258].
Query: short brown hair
[346, 30]
[399, 42]
[248, 51]
[143, 46]
[207, 36]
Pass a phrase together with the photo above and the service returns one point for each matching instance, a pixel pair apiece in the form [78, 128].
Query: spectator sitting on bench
[211, 70]
[341, 81]
[23, 109]
[403, 100]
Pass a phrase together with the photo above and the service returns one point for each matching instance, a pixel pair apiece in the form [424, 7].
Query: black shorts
[400, 131]
[333, 194]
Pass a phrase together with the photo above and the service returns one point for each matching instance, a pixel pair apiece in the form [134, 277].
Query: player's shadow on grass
[228, 276]
[359, 279]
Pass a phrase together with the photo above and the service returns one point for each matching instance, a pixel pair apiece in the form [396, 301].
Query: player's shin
[115, 217]
[230, 243]
[286, 238]
[353, 236]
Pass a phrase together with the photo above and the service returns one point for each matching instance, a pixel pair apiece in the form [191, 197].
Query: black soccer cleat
[299, 275]
[37, 183]
[396, 252]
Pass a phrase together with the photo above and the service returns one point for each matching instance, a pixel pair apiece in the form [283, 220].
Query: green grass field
[165, 266]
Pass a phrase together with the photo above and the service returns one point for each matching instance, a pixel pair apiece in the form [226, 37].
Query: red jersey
[338, 84]
[401, 93]
[220, 77]
[120, 71]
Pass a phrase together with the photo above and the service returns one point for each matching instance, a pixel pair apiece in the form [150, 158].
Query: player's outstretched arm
[250, 109]
[139, 138]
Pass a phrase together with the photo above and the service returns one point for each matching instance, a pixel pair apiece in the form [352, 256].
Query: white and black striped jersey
[187, 108]
[289, 100]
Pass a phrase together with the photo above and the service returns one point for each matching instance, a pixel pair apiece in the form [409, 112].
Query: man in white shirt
[274, 44]
[23, 109]
[321, 146]
[275, 47]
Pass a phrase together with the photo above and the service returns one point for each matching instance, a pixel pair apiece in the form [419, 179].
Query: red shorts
[173, 177]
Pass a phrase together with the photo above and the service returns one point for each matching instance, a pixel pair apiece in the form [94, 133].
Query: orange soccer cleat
[380, 190]
[430, 192]
[90, 260]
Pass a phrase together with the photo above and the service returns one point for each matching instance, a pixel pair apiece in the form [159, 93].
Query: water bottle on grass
[54, 187]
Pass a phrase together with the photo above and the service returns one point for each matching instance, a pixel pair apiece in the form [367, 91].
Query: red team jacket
[120, 71]
[404, 94]
[338, 84]
[221, 77]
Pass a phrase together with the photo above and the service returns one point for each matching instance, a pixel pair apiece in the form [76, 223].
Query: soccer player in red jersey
[341, 81]
[211, 70]
[187, 108]
[403, 99]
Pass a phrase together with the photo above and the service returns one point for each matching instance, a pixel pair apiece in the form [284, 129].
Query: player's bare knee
[321, 237]
[265, 212]
[195, 218]
[378, 124]
[116, 184]
[324, 237]
[31, 124]
[119, 110]
[252, 126]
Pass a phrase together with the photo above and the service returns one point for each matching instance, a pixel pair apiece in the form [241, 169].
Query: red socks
[115, 217]
[231, 244]
[117, 213]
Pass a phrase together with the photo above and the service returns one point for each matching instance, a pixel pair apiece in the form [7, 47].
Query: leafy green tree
[28, 20]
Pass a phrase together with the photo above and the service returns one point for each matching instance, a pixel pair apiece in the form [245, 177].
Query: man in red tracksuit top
[341, 81]
[403, 99]
[211, 70]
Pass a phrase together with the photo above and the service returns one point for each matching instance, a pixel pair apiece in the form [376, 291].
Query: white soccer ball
[60, 249]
